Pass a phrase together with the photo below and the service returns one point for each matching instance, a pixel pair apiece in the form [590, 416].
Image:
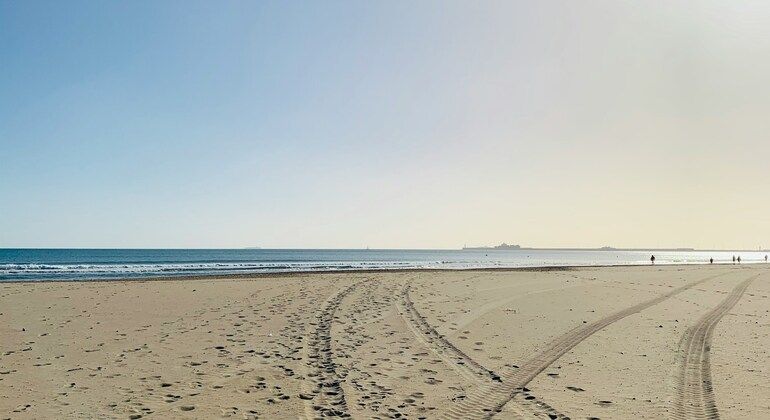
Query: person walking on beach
[765, 257]
[652, 259]
[739, 259]
[711, 261]
[733, 259]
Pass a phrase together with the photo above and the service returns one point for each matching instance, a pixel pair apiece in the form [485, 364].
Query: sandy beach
[611, 343]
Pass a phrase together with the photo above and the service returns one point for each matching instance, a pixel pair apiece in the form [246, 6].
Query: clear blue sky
[387, 124]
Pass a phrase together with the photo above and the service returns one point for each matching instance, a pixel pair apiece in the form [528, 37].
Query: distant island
[506, 247]
[503, 246]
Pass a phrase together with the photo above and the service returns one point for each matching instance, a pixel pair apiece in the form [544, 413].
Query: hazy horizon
[391, 125]
[476, 247]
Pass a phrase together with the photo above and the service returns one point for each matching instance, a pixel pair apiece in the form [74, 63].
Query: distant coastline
[506, 247]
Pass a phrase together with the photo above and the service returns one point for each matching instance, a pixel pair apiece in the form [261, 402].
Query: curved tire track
[436, 342]
[487, 401]
[326, 398]
[694, 398]
[461, 361]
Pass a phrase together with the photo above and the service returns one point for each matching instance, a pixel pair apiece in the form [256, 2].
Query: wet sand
[623, 342]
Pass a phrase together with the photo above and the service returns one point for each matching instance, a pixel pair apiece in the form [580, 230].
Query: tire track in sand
[487, 401]
[436, 342]
[694, 397]
[458, 359]
[326, 398]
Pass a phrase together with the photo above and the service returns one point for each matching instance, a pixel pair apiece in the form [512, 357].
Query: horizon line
[480, 248]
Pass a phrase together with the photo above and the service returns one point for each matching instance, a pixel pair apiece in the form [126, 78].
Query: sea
[105, 264]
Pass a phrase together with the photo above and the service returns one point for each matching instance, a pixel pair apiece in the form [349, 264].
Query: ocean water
[93, 264]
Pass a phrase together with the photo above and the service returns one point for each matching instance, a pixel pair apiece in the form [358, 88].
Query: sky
[392, 124]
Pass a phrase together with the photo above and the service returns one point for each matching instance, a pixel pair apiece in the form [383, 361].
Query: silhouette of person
[711, 261]
[733, 259]
[739, 259]
[765, 257]
[652, 259]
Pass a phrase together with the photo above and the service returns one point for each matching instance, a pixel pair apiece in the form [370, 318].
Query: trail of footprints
[326, 397]
[374, 397]
[330, 358]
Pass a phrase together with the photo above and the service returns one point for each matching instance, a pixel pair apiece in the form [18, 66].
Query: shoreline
[299, 273]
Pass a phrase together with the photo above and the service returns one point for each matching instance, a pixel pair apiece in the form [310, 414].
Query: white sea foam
[111, 270]
[103, 264]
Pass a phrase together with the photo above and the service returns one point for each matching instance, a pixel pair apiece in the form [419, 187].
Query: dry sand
[623, 342]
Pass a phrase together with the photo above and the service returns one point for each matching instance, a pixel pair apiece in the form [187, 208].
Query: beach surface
[682, 342]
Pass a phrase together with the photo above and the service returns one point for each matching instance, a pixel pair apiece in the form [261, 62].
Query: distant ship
[503, 246]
